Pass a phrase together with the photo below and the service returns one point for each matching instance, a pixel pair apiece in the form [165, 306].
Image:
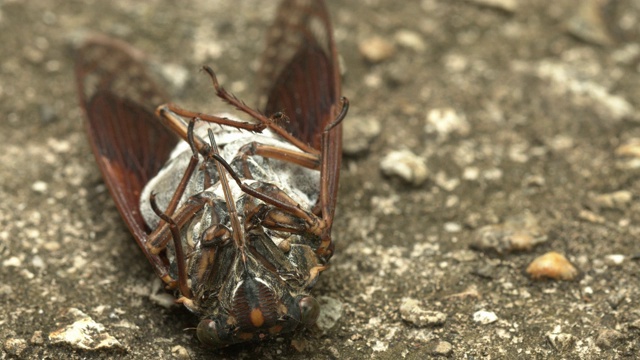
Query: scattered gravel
[513, 111]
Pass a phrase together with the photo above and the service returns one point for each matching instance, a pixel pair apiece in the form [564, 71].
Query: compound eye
[209, 333]
[309, 310]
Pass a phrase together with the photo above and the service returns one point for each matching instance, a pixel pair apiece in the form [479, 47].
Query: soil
[513, 109]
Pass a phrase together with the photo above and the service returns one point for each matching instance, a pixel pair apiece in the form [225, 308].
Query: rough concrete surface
[521, 127]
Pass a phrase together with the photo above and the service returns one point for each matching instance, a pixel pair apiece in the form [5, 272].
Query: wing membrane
[128, 142]
[300, 70]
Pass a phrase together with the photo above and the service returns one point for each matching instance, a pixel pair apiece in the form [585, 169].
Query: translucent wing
[301, 77]
[128, 142]
[300, 72]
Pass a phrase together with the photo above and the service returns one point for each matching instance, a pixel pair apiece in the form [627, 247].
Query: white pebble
[406, 165]
[484, 317]
[410, 39]
[39, 186]
[614, 259]
[446, 121]
[12, 262]
[452, 227]
[376, 49]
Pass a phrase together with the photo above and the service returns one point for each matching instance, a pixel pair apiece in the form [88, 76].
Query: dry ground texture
[517, 124]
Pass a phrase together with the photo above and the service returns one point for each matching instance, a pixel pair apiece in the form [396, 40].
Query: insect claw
[341, 115]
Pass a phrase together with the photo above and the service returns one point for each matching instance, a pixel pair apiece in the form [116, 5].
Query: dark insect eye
[309, 310]
[210, 334]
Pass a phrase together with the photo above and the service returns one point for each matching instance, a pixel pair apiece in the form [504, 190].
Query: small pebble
[635, 325]
[630, 149]
[561, 341]
[412, 311]
[446, 121]
[12, 262]
[591, 217]
[359, 132]
[37, 338]
[380, 346]
[470, 292]
[519, 232]
[15, 346]
[484, 317]
[452, 227]
[84, 333]
[552, 265]
[376, 49]
[607, 338]
[39, 187]
[37, 262]
[406, 165]
[505, 5]
[299, 345]
[442, 348]
[614, 259]
[330, 312]
[176, 75]
[51, 246]
[614, 200]
[616, 299]
[588, 24]
[410, 39]
[180, 352]
[47, 114]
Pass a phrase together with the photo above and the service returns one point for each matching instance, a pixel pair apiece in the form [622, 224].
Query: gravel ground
[482, 135]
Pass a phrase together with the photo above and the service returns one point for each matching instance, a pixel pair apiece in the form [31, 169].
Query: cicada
[234, 215]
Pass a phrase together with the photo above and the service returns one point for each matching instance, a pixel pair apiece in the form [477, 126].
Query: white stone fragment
[412, 311]
[506, 5]
[406, 165]
[614, 259]
[330, 312]
[39, 187]
[12, 262]
[446, 121]
[410, 39]
[84, 333]
[484, 317]
[376, 49]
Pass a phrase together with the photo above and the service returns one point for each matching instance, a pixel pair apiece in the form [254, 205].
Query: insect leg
[271, 195]
[329, 166]
[158, 238]
[256, 127]
[309, 161]
[171, 117]
[233, 100]
[177, 242]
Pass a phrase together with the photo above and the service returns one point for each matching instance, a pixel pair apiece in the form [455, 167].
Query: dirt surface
[518, 117]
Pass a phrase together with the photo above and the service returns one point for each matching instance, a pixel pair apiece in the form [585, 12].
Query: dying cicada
[234, 215]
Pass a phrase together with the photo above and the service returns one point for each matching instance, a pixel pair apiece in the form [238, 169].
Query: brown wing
[301, 77]
[128, 142]
[300, 72]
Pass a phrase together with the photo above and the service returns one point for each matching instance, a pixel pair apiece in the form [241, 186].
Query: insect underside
[265, 288]
[237, 218]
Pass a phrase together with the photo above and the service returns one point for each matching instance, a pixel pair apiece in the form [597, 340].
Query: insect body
[237, 218]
